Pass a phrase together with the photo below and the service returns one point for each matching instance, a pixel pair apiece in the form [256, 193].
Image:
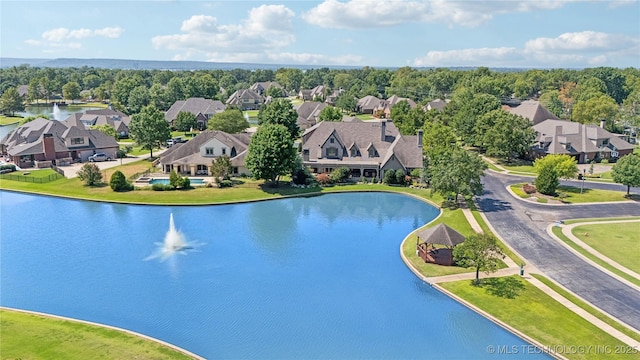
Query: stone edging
[508, 188]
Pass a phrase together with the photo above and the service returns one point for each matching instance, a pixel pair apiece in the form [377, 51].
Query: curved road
[523, 226]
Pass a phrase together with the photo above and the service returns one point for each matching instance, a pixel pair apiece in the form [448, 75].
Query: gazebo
[440, 234]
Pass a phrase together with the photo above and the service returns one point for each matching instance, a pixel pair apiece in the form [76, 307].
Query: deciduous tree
[185, 121]
[230, 121]
[627, 171]
[90, 174]
[330, 113]
[149, 128]
[457, 172]
[271, 153]
[221, 168]
[10, 102]
[551, 168]
[280, 111]
[479, 251]
[71, 90]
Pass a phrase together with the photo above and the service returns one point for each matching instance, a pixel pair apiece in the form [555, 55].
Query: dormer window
[208, 151]
[332, 152]
[332, 140]
[233, 152]
[355, 152]
[77, 141]
[373, 152]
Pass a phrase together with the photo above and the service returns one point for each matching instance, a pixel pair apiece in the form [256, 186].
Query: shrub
[161, 187]
[185, 183]
[529, 189]
[604, 161]
[302, 176]
[389, 177]
[9, 167]
[119, 182]
[90, 174]
[323, 179]
[225, 183]
[400, 176]
[340, 174]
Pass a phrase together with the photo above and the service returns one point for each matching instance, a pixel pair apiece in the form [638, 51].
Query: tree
[90, 174]
[594, 109]
[627, 171]
[149, 128]
[71, 90]
[230, 121]
[271, 153]
[119, 182]
[330, 113]
[280, 111]
[457, 172]
[479, 251]
[221, 168]
[10, 102]
[509, 134]
[346, 101]
[106, 129]
[551, 168]
[185, 121]
[274, 92]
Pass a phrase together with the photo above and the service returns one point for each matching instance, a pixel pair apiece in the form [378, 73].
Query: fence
[31, 179]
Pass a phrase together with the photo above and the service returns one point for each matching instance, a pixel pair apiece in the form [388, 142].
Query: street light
[584, 173]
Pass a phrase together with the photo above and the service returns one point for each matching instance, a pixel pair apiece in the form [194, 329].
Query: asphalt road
[523, 226]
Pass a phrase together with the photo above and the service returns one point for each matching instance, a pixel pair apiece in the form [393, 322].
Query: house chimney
[602, 122]
[383, 130]
[420, 135]
[48, 147]
[558, 130]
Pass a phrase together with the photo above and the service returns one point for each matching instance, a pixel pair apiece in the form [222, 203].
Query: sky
[392, 33]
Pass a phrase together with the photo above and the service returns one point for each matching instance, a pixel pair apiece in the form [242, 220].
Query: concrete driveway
[71, 171]
[523, 226]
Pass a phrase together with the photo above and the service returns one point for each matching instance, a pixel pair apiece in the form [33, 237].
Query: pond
[59, 113]
[317, 277]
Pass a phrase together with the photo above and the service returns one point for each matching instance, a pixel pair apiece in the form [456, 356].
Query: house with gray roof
[437, 104]
[585, 142]
[309, 113]
[532, 110]
[195, 156]
[246, 99]
[367, 148]
[41, 142]
[315, 94]
[367, 104]
[202, 108]
[116, 119]
[383, 110]
[262, 86]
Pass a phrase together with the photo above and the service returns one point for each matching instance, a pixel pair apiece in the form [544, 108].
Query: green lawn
[27, 336]
[558, 233]
[365, 117]
[572, 194]
[524, 307]
[6, 120]
[619, 242]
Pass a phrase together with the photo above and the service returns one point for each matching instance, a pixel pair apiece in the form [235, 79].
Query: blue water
[309, 278]
[193, 181]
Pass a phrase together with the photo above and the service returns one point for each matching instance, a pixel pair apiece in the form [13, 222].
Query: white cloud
[587, 48]
[64, 34]
[377, 13]
[262, 37]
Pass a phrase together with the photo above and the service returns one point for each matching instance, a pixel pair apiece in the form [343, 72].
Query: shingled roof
[440, 234]
[532, 110]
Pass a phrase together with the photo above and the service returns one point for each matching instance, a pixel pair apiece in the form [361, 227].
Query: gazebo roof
[440, 234]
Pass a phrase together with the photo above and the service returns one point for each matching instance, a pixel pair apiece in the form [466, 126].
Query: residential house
[585, 142]
[383, 110]
[331, 98]
[117, 119]
[315, 94]
[196, 155]
[41, 143]
[532, 110]
[23, 91]
[202, 108]
[367, 148]
[367, 104]
[437, 104]
[262, 87]
[246, 99]
[309, 113]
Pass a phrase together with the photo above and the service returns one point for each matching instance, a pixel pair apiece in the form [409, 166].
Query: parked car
[99, 157]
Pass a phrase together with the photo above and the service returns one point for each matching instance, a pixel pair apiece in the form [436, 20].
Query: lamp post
[584, 173]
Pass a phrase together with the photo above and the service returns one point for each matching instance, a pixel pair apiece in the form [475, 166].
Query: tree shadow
[493, 205]
[282, 188]
[506, 287]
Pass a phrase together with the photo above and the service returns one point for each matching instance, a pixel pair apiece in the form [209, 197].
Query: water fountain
[56, 112]
[174, 242]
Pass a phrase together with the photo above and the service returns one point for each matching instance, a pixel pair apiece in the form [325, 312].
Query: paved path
[522, 225]
[71, 171]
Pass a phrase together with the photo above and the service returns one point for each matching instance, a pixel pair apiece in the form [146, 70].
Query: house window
[233, 152]
[224, 151]
[605, 142]
[208, 151]
[332, 152]
[77, 141]
[373, 152]
[331, 140]
[355, 152]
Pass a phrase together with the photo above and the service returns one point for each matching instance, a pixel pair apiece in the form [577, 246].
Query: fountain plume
[174, 242]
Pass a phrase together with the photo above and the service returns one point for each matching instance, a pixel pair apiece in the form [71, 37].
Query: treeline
[586, 95]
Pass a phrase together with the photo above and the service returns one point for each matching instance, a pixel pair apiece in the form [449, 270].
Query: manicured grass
[619, 242]
[6, 120]
[588, 308]
[573, 221]
[93, 104]
[572, 194]
[365, 116]
[28, 336]
[558, 233]
[529, 310]
[493, 167]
